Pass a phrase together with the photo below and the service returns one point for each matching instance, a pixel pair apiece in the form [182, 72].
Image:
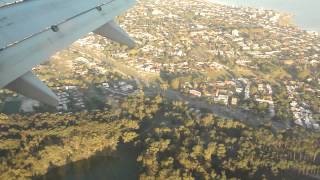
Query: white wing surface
[33, 30]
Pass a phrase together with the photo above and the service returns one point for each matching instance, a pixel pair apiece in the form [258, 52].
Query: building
[235, 33]
[195, 93]
[234, 101]
[222, 98]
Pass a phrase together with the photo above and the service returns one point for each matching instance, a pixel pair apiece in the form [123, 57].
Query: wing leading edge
[19, 54]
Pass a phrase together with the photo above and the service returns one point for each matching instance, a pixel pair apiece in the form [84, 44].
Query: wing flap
[29, 85]
[38, 48]
[32, 31]
[113, 31]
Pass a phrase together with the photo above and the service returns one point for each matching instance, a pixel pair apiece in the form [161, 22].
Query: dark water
[119, 165]
[306, 12]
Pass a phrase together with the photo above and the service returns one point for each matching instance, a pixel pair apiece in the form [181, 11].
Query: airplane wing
[33, 30]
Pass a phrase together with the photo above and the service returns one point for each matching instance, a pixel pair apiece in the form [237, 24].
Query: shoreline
[292, 17]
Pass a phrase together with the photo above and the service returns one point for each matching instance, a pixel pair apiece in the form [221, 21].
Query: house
[239, 90]
[106, 85]
[316, 126]
[235, 33]
[126, 87]
[187, 85]
[195, 93]
[299, 122]
[222, 98]
[260, 87]
[234, 101]
[121, 83]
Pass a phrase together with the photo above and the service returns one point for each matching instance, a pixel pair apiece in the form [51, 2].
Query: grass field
[216, 74]
[277, 74]
[239, 71]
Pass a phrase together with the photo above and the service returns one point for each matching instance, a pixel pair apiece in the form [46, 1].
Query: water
[121, 165]
[306, 12]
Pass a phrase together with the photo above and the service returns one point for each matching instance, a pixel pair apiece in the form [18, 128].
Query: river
[306, 13]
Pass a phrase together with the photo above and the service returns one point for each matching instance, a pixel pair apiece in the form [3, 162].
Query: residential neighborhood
[236, 57]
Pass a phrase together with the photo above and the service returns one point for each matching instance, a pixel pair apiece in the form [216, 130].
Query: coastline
[290, 17]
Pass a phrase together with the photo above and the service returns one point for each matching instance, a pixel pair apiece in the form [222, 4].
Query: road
[219, 110]
[222, 111]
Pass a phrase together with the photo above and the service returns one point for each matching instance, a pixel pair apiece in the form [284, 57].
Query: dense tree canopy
[207, 147]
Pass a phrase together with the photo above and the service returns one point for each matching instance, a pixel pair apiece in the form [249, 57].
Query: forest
[174, 141]
[189, 146]
[31, 145]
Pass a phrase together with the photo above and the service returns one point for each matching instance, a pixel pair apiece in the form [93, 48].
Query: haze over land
[306, 13]
[210, 92]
